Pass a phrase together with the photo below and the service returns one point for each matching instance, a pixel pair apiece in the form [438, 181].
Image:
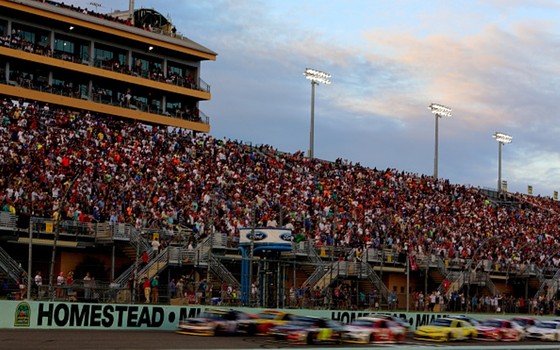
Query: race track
[78, 339]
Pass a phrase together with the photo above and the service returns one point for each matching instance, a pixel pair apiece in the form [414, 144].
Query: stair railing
[155, 266]
[551, 284]
[11, 267]
[376, 280]
[222, 272]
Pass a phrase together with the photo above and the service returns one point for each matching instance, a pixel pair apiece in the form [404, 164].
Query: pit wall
[57, 315]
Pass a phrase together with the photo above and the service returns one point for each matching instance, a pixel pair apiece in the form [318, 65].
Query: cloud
[492, 77]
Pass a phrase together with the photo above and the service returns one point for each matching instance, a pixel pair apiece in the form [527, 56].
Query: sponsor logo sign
[22, 317]
[260, 236]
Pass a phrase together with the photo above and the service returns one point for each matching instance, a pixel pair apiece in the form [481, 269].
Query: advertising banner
[266, 236]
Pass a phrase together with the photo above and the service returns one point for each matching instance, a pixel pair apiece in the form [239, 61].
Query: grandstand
[92, 174]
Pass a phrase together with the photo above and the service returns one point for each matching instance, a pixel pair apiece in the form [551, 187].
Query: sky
[494, 62]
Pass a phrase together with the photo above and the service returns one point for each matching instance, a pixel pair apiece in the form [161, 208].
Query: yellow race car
[446, 329]
[268, 319]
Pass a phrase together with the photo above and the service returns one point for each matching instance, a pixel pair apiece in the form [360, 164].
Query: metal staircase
[219, 270]
[177, 255]
[550, 285]
[332, 271]
[123, 278]
[456, 280]
[490, 285]
[11, 268]
[140, 245]
[199, 255]
[312, 255]
[155, 266]
[322, 276]
[376, 280]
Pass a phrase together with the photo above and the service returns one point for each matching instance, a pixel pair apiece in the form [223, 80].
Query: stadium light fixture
[439, 111]
[502, 139]
[317, 77]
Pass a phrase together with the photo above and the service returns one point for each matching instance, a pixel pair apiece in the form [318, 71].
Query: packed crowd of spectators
[193, 180]
[126, 172]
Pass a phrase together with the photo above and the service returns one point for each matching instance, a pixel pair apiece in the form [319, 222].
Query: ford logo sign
[286, 237]
[258, 236]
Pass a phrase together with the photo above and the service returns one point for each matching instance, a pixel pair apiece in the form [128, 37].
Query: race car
[309, 330]
[497, 329]
[467, 318]
[373, 330]
[525, 322]
[446, 329]
[267, 319]
[544, 330]
[400, 321]
[217, 322]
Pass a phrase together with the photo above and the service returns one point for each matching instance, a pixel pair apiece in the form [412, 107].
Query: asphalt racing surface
[78, 339]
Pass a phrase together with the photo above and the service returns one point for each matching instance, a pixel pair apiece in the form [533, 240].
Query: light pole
[439, 111]
[252, 250]
[317, 77]
[502, 140]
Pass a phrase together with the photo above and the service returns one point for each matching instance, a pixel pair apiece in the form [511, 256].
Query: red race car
[497, 329]
[374, 330]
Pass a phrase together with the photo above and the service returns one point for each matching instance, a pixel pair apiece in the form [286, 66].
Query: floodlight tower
[502, 140]
[317, 77]
[439, 111]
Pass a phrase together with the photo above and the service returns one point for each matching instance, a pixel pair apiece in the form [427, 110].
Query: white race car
[544, 330]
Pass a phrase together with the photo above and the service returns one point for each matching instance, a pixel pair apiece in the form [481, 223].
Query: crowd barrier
[55, 315]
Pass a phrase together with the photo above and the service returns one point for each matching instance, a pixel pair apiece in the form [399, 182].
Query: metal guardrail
[201, 118]
[7, 220]
[312, 255]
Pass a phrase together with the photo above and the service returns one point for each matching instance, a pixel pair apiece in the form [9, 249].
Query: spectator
[155, 246]
[180, 288]
[130, 285]
[22, 285]
[145, 259]
[172, 288]
[155, 289]
[87, 281]
[60, 283]
[147, 286]
[39, 283]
